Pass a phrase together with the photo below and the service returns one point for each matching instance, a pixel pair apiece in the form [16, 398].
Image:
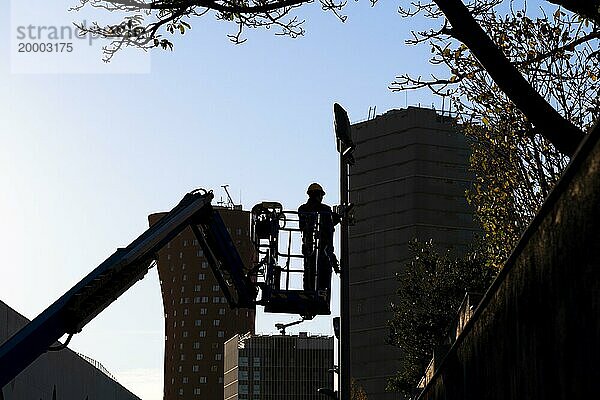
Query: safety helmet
[315, 187]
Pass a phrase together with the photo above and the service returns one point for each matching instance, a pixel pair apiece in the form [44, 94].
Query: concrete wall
[536, 333]
[63, 372]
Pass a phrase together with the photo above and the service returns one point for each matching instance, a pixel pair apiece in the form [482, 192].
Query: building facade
[408, 182]
[61, 375]
[278, 367]
[197, 316]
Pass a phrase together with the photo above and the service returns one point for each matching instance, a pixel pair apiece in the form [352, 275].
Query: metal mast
[345, 147]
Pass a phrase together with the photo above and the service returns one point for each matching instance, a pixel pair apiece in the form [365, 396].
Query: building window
[221, 311]
[186, 300]
[180, 346]
[221, 334]
[185, 333]
[168, 245]
[205, 299]
[197, 288]
[243, 389]
[180, 254]
[182, 357]
[256, 376]
[195, 368]
[256, 389]
[195, 242]
[204, 264]
[216, 322]
[199, 253]
[202, 333]
[218, 357]
[183, 266]
[197, 300]
[256, 362]
[243, 361]
[180, 391]
[179, 369]
[216, 300]
[216, 288]
[185, 379]
[243, 375]
[224, 300]
[196, 345]
[182, 323]
[185, 243]
[201, 277]
[220, 379]
[197, 391]
[184, 278]
[199, 356]
[198, 322]
[203, 310]
[186, 311]
[214, 368]
[168, 256]
[202, 379]
[238, 231]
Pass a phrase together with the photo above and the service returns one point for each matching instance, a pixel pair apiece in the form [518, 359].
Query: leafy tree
[467, 25]
[356, 391]
[430, 292]
[515, 166]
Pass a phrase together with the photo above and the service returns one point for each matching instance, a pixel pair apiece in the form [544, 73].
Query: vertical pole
[345, 147]
[344, 345]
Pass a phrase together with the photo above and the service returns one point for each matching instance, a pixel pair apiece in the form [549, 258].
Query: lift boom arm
[71, 312]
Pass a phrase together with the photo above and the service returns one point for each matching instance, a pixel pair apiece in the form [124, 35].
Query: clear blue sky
[84, 158]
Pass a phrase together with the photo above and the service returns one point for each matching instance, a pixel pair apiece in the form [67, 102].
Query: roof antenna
[230, 202]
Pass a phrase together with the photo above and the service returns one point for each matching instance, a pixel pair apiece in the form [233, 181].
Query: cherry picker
[269, 282]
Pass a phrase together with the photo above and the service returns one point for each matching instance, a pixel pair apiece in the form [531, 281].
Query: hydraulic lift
[241, 284]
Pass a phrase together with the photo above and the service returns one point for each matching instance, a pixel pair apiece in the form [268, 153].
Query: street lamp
[345, 147]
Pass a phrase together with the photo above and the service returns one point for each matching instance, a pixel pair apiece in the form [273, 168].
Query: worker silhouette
[317, 222]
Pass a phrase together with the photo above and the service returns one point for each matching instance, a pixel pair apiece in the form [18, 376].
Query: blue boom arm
[71, 312]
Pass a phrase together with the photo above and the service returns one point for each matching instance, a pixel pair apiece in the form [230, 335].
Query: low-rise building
[61, 375]
[278, 367]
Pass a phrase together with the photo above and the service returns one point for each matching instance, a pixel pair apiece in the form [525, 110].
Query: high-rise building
[197, 317]
[278, 367]
[57, 375]
[408, 182]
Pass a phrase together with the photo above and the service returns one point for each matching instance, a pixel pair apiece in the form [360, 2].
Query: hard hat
[315, 187]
